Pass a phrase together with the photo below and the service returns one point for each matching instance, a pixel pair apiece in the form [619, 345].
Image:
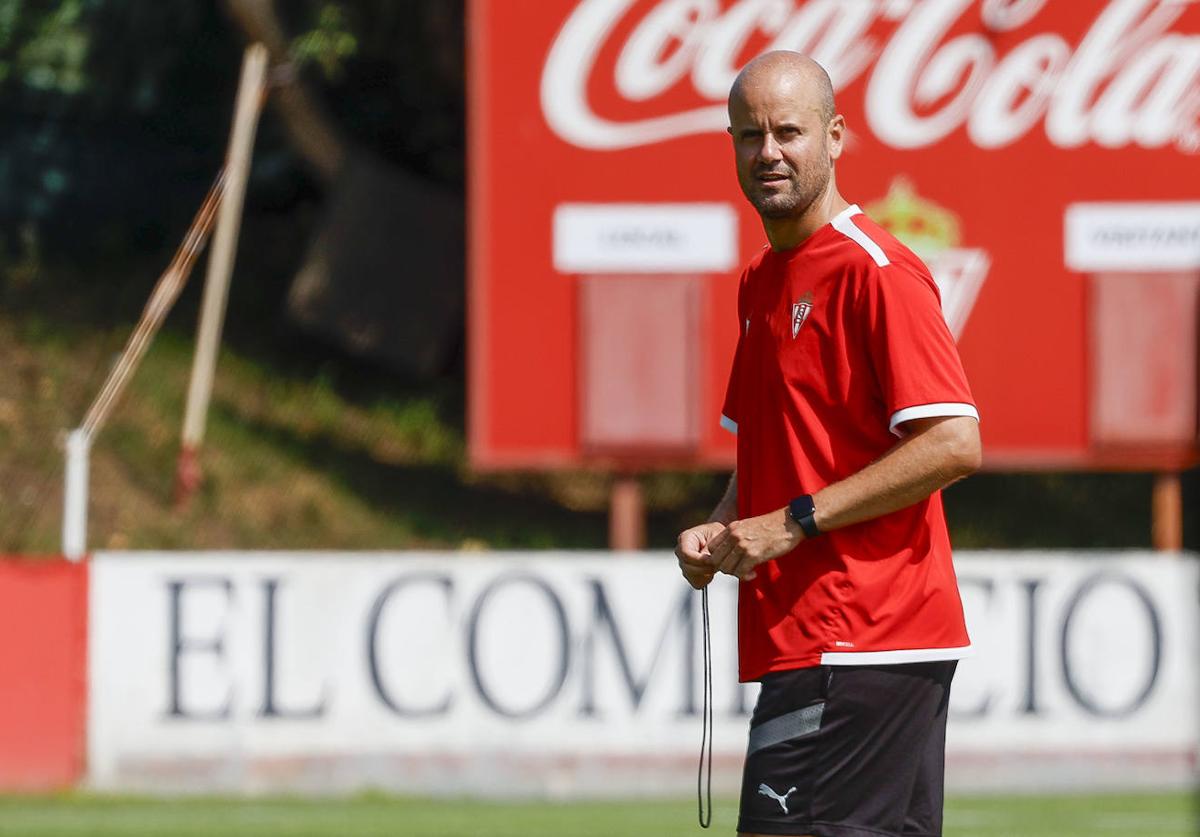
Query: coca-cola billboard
[975, 130]
[1130, 80]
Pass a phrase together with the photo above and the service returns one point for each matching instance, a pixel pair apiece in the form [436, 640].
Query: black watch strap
[802, 510]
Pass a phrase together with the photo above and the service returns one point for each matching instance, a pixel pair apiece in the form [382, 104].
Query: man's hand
[692, 551]
[745, 544]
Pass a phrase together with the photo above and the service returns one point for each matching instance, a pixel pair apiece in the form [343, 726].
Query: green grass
[305, 454]
[1129, 815]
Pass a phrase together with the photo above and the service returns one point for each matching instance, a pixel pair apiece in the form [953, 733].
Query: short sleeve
[731, 408]
[913, 353]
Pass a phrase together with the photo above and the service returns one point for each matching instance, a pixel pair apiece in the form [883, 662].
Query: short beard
[795, 202]
[778, 207]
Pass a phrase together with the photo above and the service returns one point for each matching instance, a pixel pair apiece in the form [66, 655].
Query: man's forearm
[917, 466]
[726, 510]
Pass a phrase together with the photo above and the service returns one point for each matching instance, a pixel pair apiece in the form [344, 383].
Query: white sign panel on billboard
[1132, 236]
[645, 238]
[581, 674]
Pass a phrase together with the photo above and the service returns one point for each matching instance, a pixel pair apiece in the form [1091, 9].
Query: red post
[627, 514]
[1167, 512]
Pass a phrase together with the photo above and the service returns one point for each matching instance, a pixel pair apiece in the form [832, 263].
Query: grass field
[1149, 815]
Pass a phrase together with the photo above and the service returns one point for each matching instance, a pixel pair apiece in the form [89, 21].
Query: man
[851, 411]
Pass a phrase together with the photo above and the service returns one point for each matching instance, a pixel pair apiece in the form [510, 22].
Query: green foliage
[328, 44]
[392, 74]
[44, 47]
[115, 115]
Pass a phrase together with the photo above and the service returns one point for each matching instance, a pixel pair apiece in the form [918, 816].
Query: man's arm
[936, 452]
[690, 547]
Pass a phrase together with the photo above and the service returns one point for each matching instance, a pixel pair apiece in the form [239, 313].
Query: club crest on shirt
[800, 311]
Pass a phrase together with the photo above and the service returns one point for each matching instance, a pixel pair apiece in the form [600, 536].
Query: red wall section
[43, 673]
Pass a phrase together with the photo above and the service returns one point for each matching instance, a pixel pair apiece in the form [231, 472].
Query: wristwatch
[802, 510]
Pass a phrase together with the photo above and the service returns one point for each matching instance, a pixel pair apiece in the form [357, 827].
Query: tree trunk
[312, 132]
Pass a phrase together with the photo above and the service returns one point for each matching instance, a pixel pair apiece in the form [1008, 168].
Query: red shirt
[842, 340]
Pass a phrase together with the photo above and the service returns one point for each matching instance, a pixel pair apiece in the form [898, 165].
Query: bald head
[786, 136]
[787, 73]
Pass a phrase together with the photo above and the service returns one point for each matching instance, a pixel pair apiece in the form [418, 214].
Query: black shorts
[848, 751]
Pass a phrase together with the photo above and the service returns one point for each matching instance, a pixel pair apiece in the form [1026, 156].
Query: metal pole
[1167, 512]
[75, 496]
[220, 266]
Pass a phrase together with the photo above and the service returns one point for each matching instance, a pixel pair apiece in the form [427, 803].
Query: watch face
[802, 507]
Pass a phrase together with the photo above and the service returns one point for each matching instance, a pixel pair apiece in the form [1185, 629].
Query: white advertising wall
[580, 673]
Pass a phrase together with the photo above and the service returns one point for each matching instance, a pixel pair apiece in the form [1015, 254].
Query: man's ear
[836, 132]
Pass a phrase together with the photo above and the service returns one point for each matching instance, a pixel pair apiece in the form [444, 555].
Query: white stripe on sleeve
[943, 409]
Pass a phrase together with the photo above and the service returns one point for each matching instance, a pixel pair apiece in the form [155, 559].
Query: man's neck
[786, 233]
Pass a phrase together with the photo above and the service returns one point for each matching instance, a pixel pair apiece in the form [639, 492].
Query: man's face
[782, 146]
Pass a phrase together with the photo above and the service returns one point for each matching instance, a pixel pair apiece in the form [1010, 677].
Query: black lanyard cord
[706, 735]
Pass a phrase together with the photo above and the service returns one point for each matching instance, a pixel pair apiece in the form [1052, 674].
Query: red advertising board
[43, 659]
[1043, 158]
